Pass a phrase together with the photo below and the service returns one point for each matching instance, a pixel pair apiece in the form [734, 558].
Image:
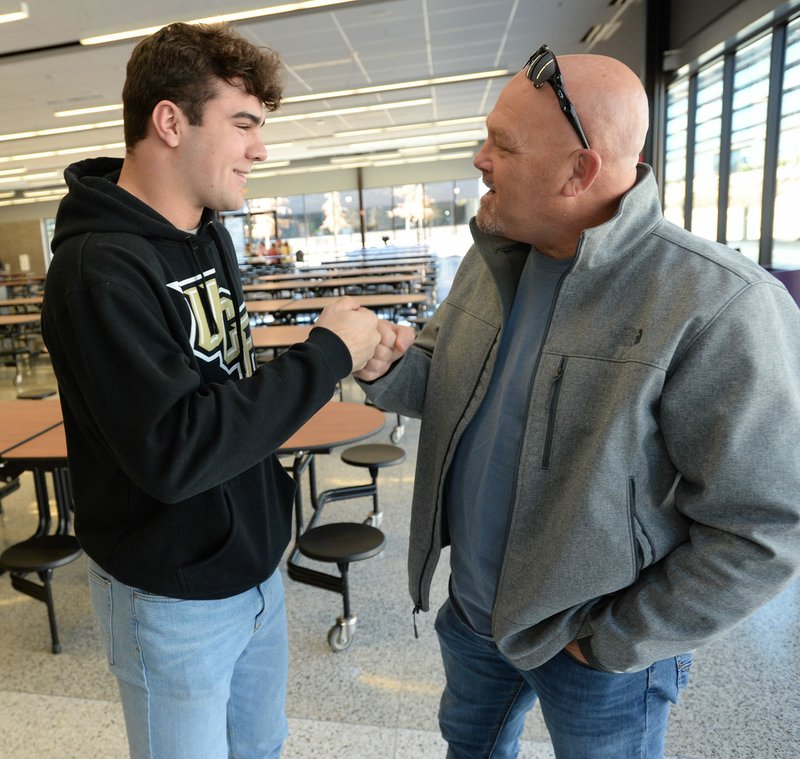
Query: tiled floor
[379, 698]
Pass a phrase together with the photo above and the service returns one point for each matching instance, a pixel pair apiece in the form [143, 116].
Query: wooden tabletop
[266, 306]
[47, 446]
[33, 300]
[377, 261]
[332, 283]
[22, 420]
[361, 271]
[378, 300]
[15, 320]
[336, 423]
[280, 336]
[17, 280]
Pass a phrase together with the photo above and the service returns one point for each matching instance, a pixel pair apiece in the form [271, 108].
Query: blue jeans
[589, 714]
[197, 678]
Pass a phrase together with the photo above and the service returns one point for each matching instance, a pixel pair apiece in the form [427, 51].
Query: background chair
[47, 549]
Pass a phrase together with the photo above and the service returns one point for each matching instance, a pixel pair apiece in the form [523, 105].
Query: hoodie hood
[96, 204]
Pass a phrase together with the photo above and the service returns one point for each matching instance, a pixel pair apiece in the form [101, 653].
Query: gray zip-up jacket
[657, 496]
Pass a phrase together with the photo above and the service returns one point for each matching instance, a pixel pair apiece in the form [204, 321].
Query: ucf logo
[222, 345]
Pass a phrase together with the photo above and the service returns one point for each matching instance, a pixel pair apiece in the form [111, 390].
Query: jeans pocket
[673, 675]
[683, 663]
[103, 605]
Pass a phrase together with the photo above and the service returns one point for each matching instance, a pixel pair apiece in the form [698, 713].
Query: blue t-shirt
[481, 480]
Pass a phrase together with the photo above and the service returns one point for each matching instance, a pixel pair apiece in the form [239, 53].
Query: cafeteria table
[336, 423]
[30, 303]
[48, 548]
[279, 336]
[23, 420]
[293, 306]
[16, 321]
[40, 454]
[401, 282]
[262, 309]
[361, 271]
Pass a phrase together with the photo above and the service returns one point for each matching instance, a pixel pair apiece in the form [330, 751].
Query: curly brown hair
[184, 62]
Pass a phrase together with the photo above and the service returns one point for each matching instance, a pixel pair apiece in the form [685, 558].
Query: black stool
[48, 548]
[340, 543]
[373, 456]
[40, 554]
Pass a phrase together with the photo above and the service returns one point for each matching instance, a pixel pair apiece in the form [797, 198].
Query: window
[468, 197]
[705, 182]
[378, 216]
[409, 213]
[675, 161]
[333, 224]
[440, 200]
[786, 225]
[733, 125]
[325, 224]
[291, 215]
[748, 135]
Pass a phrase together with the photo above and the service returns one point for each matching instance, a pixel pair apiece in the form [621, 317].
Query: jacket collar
[638, 213]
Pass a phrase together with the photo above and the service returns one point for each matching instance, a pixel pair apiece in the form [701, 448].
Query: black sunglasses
[542, 67]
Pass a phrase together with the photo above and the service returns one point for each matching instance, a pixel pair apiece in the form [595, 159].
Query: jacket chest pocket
[552, 409]
[641, 545]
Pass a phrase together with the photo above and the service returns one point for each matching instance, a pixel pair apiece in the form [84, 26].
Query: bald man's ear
[586, 165]
[166, 120]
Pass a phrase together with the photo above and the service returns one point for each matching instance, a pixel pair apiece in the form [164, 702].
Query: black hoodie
[171, 430]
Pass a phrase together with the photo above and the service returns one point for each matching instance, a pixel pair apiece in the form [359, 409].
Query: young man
[180, 502]
[609, 410]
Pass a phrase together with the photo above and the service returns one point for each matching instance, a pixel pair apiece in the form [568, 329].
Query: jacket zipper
[530, 393]
[555, 391]
[417, 607]
[418, 600]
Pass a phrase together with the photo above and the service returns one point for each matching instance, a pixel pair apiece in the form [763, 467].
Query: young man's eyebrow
[257, 120]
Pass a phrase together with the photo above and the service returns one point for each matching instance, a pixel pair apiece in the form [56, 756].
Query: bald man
[609, 412]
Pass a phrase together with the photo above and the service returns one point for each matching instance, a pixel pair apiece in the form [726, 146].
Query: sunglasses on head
[542, 67]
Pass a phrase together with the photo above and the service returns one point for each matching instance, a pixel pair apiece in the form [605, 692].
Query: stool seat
[373, 455]
[36, 394]
[41, 553]
[341, 542]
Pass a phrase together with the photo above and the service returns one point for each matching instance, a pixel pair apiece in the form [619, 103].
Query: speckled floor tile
[36, 726]
[317, 739]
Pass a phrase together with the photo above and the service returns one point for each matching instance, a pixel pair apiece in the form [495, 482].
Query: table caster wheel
[340, 636]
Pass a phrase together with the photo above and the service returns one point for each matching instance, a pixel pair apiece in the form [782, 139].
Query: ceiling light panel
[19, 13]
[227, 17]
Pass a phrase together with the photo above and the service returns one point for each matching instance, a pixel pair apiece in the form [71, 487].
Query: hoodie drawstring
[244, 358]
[204, 299]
